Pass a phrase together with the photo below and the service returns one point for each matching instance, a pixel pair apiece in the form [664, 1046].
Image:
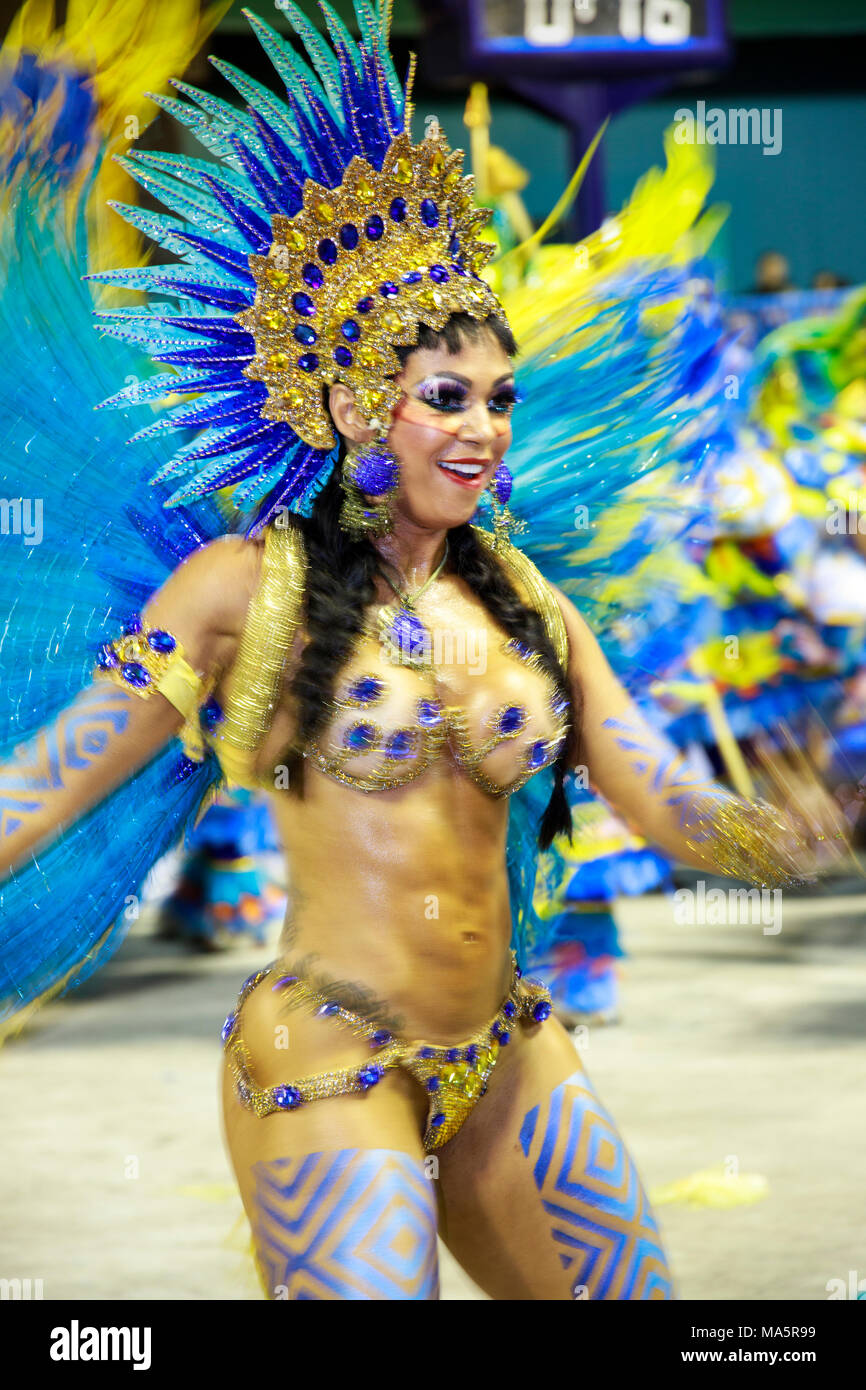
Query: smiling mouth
[466, 471]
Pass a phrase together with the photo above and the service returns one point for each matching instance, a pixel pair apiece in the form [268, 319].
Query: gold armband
[148, 659]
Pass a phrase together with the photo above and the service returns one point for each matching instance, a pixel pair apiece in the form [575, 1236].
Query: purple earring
[499, 487]
[369, 471]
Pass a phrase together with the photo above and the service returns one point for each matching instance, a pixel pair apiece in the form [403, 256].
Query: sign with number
[595, 36]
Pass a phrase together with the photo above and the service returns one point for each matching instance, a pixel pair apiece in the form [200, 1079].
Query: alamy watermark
[22, 516]
[737, 126]
[740, 907]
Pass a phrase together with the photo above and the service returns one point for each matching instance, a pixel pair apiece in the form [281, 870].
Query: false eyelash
[509, 398]
[436, 394]
[449, 397]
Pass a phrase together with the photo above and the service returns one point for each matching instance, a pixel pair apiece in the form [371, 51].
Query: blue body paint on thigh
[353, 1224]
[600, 1218]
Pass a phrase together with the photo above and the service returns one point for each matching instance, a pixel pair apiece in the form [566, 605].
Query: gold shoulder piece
[533, 587]
[266, 642]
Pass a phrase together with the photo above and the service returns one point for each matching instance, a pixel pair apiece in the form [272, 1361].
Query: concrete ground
[737, 1051]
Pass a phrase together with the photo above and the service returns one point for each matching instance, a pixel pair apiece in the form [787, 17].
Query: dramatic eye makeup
[450, 394]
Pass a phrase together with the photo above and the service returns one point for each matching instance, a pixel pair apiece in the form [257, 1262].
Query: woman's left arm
[673, 804]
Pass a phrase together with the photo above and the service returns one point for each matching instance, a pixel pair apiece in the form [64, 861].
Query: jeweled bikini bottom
[455, 1077]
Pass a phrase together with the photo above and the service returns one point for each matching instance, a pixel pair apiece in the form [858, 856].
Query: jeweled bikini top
[391, 721]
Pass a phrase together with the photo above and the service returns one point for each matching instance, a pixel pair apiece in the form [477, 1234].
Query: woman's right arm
[109, 732]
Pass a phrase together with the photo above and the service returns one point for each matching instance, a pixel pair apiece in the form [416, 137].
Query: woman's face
[450, 430]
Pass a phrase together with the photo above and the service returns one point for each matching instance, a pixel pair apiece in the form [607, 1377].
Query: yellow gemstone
[367, 356]
[295, 239]
[403, 170]
[392, 321]
[324, 212]
[293, 398]
[437, 163]
[472, 1086]
[365, 190]
[277, 362]
[275, 319]
[452, 177]
[278, 278]
[431, 298]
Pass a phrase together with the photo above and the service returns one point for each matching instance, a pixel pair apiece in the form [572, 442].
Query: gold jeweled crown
[355, 272]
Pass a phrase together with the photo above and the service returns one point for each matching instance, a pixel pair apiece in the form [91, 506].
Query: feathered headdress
[317, 240]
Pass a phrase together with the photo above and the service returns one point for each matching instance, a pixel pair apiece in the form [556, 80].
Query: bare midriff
[402, 894]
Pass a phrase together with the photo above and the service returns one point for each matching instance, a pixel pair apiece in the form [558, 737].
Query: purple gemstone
[429, 213]
[454, 246]
[457, 269]
[374, 227]
[427, 1052]
[381, 1037]
[349, 236]
[471, 1053]
[370, 1075]
[433, 1083]
[328, 1010]
[286, 1097]
[412, 277]
[389, 289]
[452, 1055]
[303, 304]
[365, 305]
[366, 689]
[512, 720]
[132, 627]
[351, 330]
[309, 362]
[438, 1120]
[135, 674]
[400, 745]
[541, 1010]
[397, 210]
[343, 356]
[504, 1039]
[408, 633]
[107, 659]
[537, 755]
[313, 276]
[228, 1027]
[305, 334]
[439, 274]
[429, 713]
[375, 472]
[250, 981]
[502, 482]
[161, 641]
[361, 738]
[508, 1009]
[327, 250]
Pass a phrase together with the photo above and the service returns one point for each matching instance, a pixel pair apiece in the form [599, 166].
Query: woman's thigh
[539, 1198]
[338, 1198]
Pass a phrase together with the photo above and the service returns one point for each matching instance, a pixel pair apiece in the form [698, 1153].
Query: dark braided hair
[341, 578]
